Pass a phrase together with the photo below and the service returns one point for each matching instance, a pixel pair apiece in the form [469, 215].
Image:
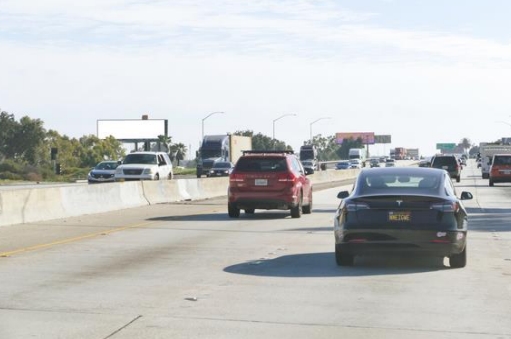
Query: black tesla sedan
[402, 210]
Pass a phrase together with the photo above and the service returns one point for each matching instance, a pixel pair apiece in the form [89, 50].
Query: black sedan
[404, 210]
[221, 169]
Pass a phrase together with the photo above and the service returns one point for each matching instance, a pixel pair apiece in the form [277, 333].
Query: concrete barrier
[39, 204]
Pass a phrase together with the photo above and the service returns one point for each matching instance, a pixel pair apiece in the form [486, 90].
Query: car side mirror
[343, 194]
[466, 195]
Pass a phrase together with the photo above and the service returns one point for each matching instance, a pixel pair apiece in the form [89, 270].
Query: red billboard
[367, 137]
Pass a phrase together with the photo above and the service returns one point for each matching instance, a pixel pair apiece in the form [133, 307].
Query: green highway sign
[446, 146]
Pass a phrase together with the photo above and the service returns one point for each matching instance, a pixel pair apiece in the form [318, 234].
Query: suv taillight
[286, 177]
[236, 177]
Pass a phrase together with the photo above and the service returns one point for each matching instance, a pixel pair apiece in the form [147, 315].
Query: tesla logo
[399, 202]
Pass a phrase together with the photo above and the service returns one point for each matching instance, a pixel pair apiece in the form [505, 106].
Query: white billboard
[136, 129]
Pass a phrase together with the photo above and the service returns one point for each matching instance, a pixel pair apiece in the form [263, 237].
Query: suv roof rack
[268, 152]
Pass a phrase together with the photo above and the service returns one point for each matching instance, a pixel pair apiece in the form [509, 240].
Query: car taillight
[356, 206]
[445, 207]
[286, 177]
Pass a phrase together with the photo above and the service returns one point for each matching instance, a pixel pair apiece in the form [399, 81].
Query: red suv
[269, 180]
[500, 170]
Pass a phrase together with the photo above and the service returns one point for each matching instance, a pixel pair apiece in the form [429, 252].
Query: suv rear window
[502, 160]
[444, 161]
[266, 164]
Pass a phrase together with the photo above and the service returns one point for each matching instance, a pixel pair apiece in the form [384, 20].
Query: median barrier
[12, 206]
[39, 204]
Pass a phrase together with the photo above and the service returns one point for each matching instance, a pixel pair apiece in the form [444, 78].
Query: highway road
[185, 270]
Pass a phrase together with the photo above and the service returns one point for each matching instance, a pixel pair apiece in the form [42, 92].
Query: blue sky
[423, 71]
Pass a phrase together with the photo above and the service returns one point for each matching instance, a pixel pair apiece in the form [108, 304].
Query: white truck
[358, 153]
[487, 152]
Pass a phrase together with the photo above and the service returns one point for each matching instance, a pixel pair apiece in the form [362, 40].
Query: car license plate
[506, 172]
[400, 216]
[445, 167]
[261, 182]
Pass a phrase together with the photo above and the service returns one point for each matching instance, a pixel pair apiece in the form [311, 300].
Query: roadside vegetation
[29, 152]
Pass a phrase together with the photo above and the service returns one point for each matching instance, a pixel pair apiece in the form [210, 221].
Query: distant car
[220, 169]
[424, 163]
[450, 163]
[145, 166]
[402, 210]
[344, 164]
[374, 163]
[500, 170]
[390, 163]
[102, 172]
[269, 180]
[355, 163]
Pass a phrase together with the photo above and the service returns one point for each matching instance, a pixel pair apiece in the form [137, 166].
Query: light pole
[207, 116]
[323, 118]
[282, 116]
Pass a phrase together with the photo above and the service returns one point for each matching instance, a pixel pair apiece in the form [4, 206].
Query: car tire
[250, 210]
[343, 259]
[458, 178]
[307, 209]
[490, 183]
[170, 176]
[157, 176]
[198, 176]
[234, 212]
[296, 211]
[458, 260]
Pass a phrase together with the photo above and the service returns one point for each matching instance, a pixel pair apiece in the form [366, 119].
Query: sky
[422, 71]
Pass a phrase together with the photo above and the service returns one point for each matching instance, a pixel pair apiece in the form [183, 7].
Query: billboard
[132, 129]
[367, 137]
[382, 139]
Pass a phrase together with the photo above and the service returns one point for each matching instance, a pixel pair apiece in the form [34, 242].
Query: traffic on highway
[187, 270]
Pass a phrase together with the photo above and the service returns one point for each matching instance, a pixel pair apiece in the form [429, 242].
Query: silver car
[102, 172]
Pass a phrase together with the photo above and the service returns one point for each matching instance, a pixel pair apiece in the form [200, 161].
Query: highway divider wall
[20, 206]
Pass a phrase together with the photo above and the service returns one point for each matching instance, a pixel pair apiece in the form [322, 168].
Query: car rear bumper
[264, 204]
[432, 243]
[500, 179]
[134, 177]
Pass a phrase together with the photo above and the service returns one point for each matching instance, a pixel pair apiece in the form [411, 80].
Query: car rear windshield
[377, 182]
[443, 161]
[502, 160]
[270, 164]
[222, 165]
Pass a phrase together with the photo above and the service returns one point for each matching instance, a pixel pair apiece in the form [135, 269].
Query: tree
[20, 140]
[466, 144]
[343, 152]
[7, 130]
[180, 151]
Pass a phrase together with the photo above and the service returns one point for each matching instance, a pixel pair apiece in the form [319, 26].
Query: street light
[323, 118]
[207, 116]
[282, 116]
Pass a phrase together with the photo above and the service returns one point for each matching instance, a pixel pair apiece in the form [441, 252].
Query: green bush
[11, 166]
[6, 175]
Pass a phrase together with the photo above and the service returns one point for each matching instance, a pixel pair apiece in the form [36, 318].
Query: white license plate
[506, 172]
[445, 167]
[261, 182]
